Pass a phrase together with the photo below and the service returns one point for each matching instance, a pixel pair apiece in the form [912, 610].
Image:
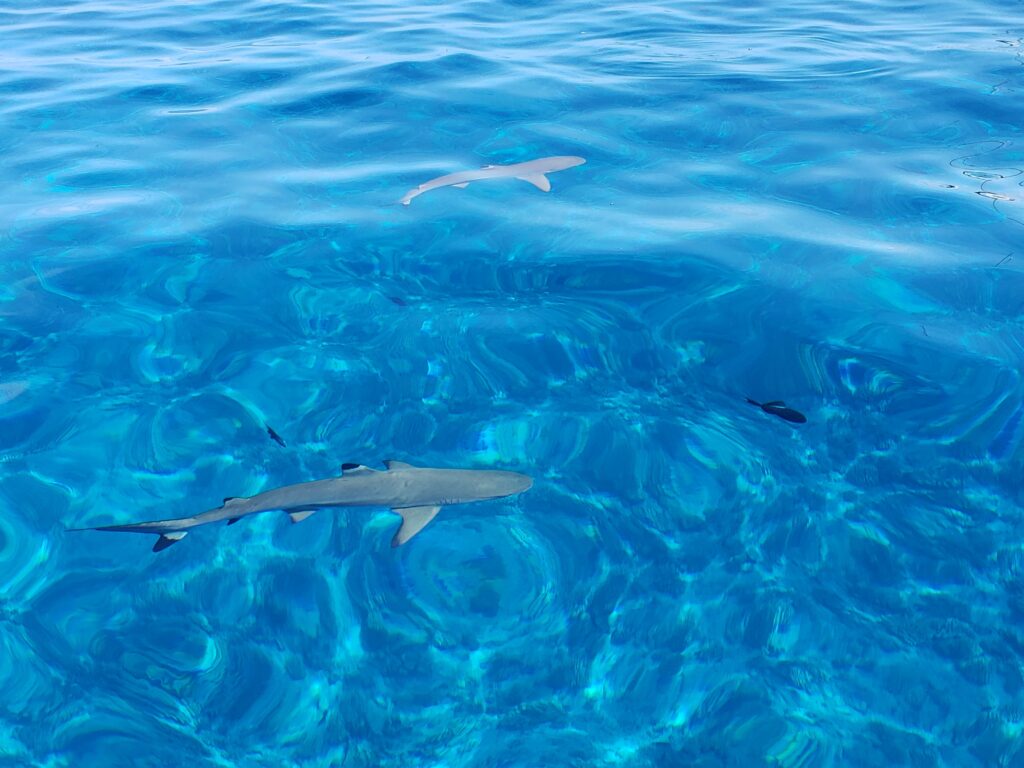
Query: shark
[415, 493]
[532, 171]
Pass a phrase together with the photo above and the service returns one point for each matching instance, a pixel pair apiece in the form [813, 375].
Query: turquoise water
[815, 202]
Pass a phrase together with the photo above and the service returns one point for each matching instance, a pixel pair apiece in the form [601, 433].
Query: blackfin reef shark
[532, 171]
[415, 493]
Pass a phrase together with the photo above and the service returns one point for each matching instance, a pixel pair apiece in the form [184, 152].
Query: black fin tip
[163, 543]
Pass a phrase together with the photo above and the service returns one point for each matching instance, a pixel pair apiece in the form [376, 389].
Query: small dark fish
[275, 437]
[778, 408]
[398, 301]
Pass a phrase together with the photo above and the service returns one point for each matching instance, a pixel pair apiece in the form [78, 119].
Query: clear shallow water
[820, 204]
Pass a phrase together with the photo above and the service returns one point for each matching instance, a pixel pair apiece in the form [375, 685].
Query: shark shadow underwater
[415, 493]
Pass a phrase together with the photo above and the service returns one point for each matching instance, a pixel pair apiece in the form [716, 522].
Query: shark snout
[572, 161]
[502, 483]
[521, 482]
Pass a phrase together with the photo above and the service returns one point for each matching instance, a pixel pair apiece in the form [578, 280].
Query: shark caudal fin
[174, 530]
[169, 531]
[414, 520]
[166, 539]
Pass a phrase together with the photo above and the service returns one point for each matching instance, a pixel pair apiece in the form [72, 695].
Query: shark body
[532, 171]
[415, 493]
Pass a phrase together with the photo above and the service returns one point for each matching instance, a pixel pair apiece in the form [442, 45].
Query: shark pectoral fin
[463, 185]
[392, 464]
[414, 520]
[298, 517]
[233, 520]
[773, 403]
[539, 180]
[166, 539]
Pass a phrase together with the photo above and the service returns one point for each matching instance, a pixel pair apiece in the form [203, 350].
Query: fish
[415, 493]
[9, 390]
[275, 437]
[778, 408]
[532, 171]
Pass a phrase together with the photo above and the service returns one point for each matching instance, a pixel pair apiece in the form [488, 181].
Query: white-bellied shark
[415, 493]
[532, 171]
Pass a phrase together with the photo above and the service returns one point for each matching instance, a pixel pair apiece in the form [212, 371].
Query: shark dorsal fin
[393, 464]
[355, 469]
[414, 520]
[539, 180]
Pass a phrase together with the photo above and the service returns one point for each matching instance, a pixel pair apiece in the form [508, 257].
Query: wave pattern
[201, 239]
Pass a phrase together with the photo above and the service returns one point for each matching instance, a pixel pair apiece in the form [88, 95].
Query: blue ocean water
[812, 202]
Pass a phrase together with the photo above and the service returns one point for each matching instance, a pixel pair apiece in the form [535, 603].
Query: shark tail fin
[414, 520]
[176, 529]
[169, 531]
[166, 539]
[539, 180]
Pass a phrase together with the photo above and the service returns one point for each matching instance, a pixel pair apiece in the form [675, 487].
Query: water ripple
[203, 239]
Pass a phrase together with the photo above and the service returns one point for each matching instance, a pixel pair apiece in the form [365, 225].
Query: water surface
[819, 203]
